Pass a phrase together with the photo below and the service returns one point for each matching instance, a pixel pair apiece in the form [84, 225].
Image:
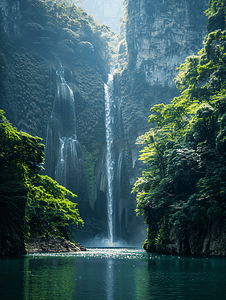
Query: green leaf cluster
[215, 6]
[185, 151]
[49, 211]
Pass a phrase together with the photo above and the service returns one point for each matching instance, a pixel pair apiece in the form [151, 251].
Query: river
[121, 273]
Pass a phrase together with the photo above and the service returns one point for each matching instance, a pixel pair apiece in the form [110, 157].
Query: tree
[49, 210]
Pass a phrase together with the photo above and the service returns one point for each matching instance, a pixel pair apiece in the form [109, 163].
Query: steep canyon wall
[157, 37]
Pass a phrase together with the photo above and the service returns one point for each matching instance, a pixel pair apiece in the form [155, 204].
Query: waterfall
[63, 152]
[114, 157]
[109, 120]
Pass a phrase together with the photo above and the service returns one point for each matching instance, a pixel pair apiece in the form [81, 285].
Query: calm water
[112, 274]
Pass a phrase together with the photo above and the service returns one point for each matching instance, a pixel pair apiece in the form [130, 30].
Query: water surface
[112, 274]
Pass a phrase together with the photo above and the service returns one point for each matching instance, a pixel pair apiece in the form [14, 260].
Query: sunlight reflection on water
[115, 253]
[112, 273]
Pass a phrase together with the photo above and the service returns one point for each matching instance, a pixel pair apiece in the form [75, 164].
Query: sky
[106, 12]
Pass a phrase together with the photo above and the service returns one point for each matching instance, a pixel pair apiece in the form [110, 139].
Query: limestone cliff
[203, 234]
[156, 37]
[159, 36]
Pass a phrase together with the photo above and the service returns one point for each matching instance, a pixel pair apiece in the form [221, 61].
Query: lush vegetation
[62, 22]
[26, 195]
[184, 182]
[50, 211]
[36, 38]
[215, 6]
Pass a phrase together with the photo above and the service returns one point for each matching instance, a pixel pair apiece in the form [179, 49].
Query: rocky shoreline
[52, 244]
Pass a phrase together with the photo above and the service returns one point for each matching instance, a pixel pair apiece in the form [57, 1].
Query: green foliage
[216, 13]
[27, 195]
[215, 6]
[49, 211]
[20, 152]
[21, 156]
[69, 26]
[163, 234]
[148, 244]
[185, 176]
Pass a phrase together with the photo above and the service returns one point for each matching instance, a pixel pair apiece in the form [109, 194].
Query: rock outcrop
[201, 239]
[159, 36]
[52, 244]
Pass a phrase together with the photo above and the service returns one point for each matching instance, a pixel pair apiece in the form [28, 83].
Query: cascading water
[110, 180]
[109, 156]
[63, 151]
[60, 171]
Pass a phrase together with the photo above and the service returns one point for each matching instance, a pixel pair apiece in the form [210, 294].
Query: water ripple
[100, 253]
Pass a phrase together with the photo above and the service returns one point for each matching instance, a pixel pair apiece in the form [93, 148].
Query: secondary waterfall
[63, 151]
[109, 120]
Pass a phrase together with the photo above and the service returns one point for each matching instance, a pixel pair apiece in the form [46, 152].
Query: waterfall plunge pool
[112, 273]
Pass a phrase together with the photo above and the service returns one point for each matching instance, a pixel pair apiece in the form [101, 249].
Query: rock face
[11, 238]
[158, 36]
[201, 239]
[166, 32]
[52, 245]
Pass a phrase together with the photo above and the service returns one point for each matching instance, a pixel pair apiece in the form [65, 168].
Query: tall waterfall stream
[113, 162]
[109, 156]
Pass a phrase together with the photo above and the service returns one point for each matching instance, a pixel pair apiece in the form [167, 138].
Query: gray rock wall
[159, 35]
[32, 49]
[202, 239]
